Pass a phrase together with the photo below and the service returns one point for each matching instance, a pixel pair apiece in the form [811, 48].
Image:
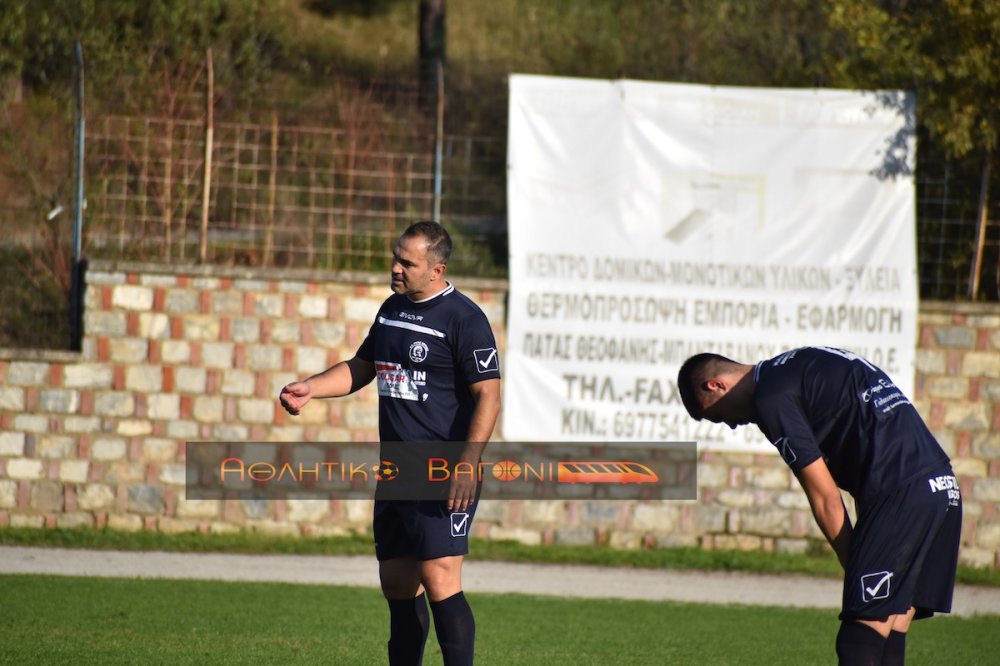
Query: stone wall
[182, 354]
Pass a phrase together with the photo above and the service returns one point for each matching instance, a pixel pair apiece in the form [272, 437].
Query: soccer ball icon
[386, 471]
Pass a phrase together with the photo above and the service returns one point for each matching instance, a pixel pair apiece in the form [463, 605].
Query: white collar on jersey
[447, 290]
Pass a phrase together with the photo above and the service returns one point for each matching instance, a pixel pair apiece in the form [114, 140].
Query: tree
[947, 51]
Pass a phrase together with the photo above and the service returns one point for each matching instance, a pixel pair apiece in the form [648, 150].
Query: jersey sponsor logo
[486, 360]
[411, 317]
[459, 524]
[949, 484]
[785, 449]
[394, 381]
[419, 351]
[876, 586]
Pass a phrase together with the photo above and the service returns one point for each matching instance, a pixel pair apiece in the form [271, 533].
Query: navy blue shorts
[425, 530]
[904, 551]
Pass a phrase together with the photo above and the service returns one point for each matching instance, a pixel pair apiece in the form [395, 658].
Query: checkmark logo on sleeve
[486, 359]
[875, 585]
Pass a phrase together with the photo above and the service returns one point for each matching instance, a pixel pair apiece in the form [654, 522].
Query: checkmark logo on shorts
[486, 359]
[875, 585]
[459, 524]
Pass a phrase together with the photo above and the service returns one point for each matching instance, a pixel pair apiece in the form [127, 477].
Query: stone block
[238, 382]
[968, 416]
[189, 508]
[625, 540]
[106, 277]
[128, 350]
[931, 362]
[101, 324]
[596, 513]
[947, 388]
[158, 450]
[307, 510]
[230, 433]
[12, 444]
[227, 303]
[181, 301]
[245, 284]
[983, 490]
[108, 448]
[256, 410]
[543, 512]
[206, 283]
[26, 373]
[8, 494]
[87, 375]
[11, 399]
[988, 535]
[313, 307]
[208, 408]
[329, 334]
[269, 306]
[28, 469]
[310, 360]
[791, 546]
[659, 516]
[986, 445]
[190, 380]
[736, 498]
[150, 280]
[183, 430]
[955, 337]
[969, 467]
[133, 427]
[265, 357]
[981, 364]
[154, 325]
[172, 474]
[361, 416]
[125, 522]
[47, 496]
[766, 477]
[737, 542]
[709, 519]
[146, 499]
[977, 558]
[75, 520]
[990, 390]
[34, 521]
[200, 328]
[122, 472]
[518, 534]
[175, 351]
[163, 406]
[31, 423]
[284, 331]
[59, 401]
[575, 536]
[73, 471]
[766, 521]
[292, 287]
[361, 309]
[144, 378]
[55, 446]
[132, 297]
[217, 354]
[246, 330]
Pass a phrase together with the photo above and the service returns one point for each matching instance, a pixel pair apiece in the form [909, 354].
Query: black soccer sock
[895, 649]
[859, 645]
[456, 629]
[409, 623]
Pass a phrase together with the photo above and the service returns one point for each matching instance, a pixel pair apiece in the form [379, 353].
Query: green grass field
[49, 619]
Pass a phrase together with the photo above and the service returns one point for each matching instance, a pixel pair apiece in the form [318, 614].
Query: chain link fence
[289, 189]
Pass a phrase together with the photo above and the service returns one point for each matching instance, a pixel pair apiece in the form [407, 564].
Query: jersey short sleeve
[476, 354]
[783, 421]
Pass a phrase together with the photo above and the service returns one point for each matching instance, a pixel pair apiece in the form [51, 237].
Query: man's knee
[442, 577]
[400, 578]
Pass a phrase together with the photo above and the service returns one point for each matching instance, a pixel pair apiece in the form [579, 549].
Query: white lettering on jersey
[394, 381]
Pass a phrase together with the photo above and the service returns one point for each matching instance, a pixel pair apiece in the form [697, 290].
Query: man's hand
[294, 396]
[462, 492]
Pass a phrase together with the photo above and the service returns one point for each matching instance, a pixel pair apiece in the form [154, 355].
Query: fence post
[77, 264]
[438, 142]
[206, 189]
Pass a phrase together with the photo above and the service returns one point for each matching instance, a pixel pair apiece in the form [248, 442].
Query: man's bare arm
[341, 379]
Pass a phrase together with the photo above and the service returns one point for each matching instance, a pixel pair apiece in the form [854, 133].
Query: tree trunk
[432, 43]
[984, 209]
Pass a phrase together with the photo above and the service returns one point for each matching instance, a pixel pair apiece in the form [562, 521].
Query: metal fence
[335, 195]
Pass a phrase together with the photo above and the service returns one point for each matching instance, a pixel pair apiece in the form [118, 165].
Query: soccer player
[839, 421]
[434, 359]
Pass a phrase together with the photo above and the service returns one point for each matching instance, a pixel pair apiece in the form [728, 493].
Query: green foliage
[947, 51]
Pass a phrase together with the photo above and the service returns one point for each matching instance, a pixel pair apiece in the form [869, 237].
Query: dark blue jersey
[822, 402]
[427, 354]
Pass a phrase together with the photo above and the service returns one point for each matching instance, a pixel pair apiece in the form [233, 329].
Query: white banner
[649, 222]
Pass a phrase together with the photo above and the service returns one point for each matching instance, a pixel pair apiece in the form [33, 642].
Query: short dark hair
[438, 240]
[696, 370]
